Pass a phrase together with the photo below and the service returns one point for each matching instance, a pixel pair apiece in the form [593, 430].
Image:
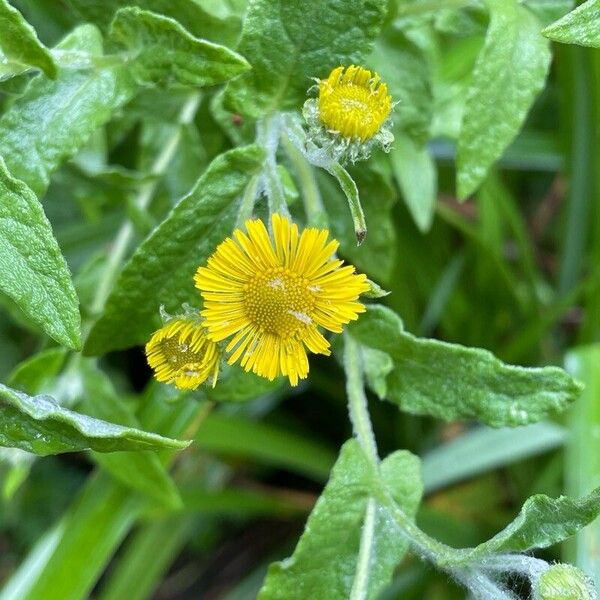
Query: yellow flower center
[279, 301]
[353, 103]
[181, 357]
[181, 354]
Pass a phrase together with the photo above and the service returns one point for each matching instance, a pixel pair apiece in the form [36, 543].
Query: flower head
[352, 103]
[350, 114]
[181, 353]
[273, 294]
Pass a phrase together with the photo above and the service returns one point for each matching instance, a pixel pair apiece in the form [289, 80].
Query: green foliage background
[134, 136]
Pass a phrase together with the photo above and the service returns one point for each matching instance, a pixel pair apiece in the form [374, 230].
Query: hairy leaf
[38, 424]
[165, 53]
[33, 271]
[194, 17]
[542, 522]
[509, 73]
[449, 381]
[19, 41]
[287, 43]
[54, 119]
[350, 544]
[161, 270]
[581, 26]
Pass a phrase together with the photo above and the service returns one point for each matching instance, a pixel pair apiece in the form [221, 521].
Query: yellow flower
[181, 353]
[272, 295]
[353, 103]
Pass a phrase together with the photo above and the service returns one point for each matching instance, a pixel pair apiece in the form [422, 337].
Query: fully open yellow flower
[272, 295]
[181, 353]
[353, 102]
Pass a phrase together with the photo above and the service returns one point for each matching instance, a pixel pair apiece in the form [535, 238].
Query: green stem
[313, 205]
[357, 399]
[426, 546]
[268, 132]
[349, 188]
[142, 200]
[248, 201]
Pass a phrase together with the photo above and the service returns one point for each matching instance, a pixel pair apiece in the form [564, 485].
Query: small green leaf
[52, 120]
[165, 53]
[34, 273]
[38, 424]
[416, 174]
[349, 547]
[140, 471]
[287, 43]
[449, 381]
[37, 373]
[509, 73]
[19, 41]
[161, 270]
[542, 522]
[581, 26]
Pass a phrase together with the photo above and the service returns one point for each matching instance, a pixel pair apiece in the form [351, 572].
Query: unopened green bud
[564, 582]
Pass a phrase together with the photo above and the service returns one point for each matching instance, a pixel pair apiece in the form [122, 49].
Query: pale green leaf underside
[19, 41]
[290, 41]
[325, 563]
[39, 425]
[509, 73]
[33, 271]
[161, 270]
[581, 26]
[449, 381]
[165, 53]
[54, 119]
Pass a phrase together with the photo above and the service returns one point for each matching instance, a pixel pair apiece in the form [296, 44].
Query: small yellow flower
[353, 103]
[181, 353]
[272, 295]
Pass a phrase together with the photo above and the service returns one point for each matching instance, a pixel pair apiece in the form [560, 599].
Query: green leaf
[19, 41]
[38, 424]
[165, 53]
[416, 175]
[350, 547]
[194, 17]
[449, 381]
[52, 120]
[405, 70]
[542, 522]
[288, 42]
[140, 471]
[581, 26]
[161, 270]
[37, 373]
[509, 73]
[236, 436]
[34, 272]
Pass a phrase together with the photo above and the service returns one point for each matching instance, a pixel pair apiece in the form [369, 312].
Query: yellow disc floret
[353, 103]
[181, 353]
[271, 295]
